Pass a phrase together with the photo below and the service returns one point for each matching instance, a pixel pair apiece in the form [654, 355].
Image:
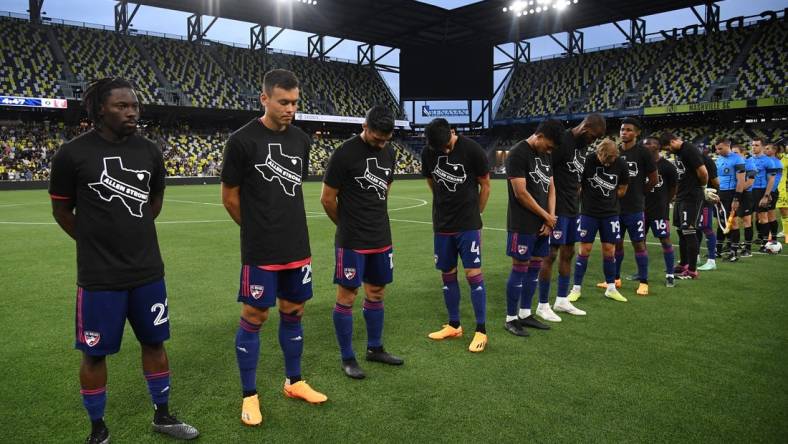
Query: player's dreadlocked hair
[97, 93]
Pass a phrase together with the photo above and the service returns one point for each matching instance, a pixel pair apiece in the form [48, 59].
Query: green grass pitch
[703, 362]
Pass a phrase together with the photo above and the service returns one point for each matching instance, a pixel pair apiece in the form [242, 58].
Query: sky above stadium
[174, 22]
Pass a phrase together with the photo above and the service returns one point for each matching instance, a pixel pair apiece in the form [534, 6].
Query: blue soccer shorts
[466, 244]
[660, 228]
[101, 317]
[633, 224]
[260, 286]
[354, 267]
[609, 229]
[565, 231]
[523, 246]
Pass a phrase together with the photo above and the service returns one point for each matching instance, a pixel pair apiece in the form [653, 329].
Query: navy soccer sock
[514, 288]
[247, 352]
[451, 297]
[479, 300]
[291, 339]
[343, 327]
[373, 315]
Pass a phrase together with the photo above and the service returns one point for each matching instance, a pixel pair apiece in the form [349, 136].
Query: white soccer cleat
[567, 307]
[547, 313]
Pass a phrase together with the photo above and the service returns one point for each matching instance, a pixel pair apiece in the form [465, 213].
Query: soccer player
[776, 169]
[692, 178]
[459, 177]
[744, 212]
[658, 206]
[731, 171]
[264, 164]
[706, 222]
[605, 182]
[568, 159]
[355, 195]
[782, 189]
[530, 218]
[642, 178]
[107, 187]
[761, 190]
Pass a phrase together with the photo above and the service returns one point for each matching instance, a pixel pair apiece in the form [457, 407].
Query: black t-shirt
[640, 165]
[111, 185]
[568, 159]
[688, 159]
[455, 189]
[269, 167]
[711, 167]
[524, 162]
[362, 174]
[657, 199]
[599, 197]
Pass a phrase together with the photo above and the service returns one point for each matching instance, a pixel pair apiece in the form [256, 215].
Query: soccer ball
[774, 247]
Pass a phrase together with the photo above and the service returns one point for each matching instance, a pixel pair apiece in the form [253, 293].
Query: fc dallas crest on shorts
[256, 291]
[350, 273]
[522, 249]
[92, 338]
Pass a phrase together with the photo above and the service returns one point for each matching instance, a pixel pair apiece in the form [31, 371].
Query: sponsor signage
[426, 111]
[343, 119]
[33, 102]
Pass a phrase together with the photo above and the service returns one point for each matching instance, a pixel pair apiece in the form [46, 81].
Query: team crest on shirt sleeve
[375, 178]
[449, 174]
[131, 187]
[283, 168]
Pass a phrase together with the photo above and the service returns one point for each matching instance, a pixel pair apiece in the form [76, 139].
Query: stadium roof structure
[401, 23]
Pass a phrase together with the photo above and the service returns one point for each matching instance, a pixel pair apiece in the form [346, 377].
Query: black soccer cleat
[381, 355]
[515, 328]
[670, 281]
[531, 321]
[352, 369]
[100, 436]
[172, 426]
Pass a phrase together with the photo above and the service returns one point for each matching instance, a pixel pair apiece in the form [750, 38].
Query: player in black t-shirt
[605, 180]
[692, 178]
[264, 164]
[355, 196]
[642, 177]
[658, 205]
[107, 187]
[706, 223]
[529, 221]
[459, 177]
[567, 160]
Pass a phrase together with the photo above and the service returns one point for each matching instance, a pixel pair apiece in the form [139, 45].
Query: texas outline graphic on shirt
[131, 187]
[274, 168]
[372, 180]
[604, 182]
[680, 169]
[577, 164]
[633, 169]
[443, 173]
[541, 174]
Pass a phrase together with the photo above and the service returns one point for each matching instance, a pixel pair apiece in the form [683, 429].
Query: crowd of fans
[28, 148]
[208, 75]
[667, 72]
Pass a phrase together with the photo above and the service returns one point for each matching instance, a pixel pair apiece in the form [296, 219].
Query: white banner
[343, 119]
